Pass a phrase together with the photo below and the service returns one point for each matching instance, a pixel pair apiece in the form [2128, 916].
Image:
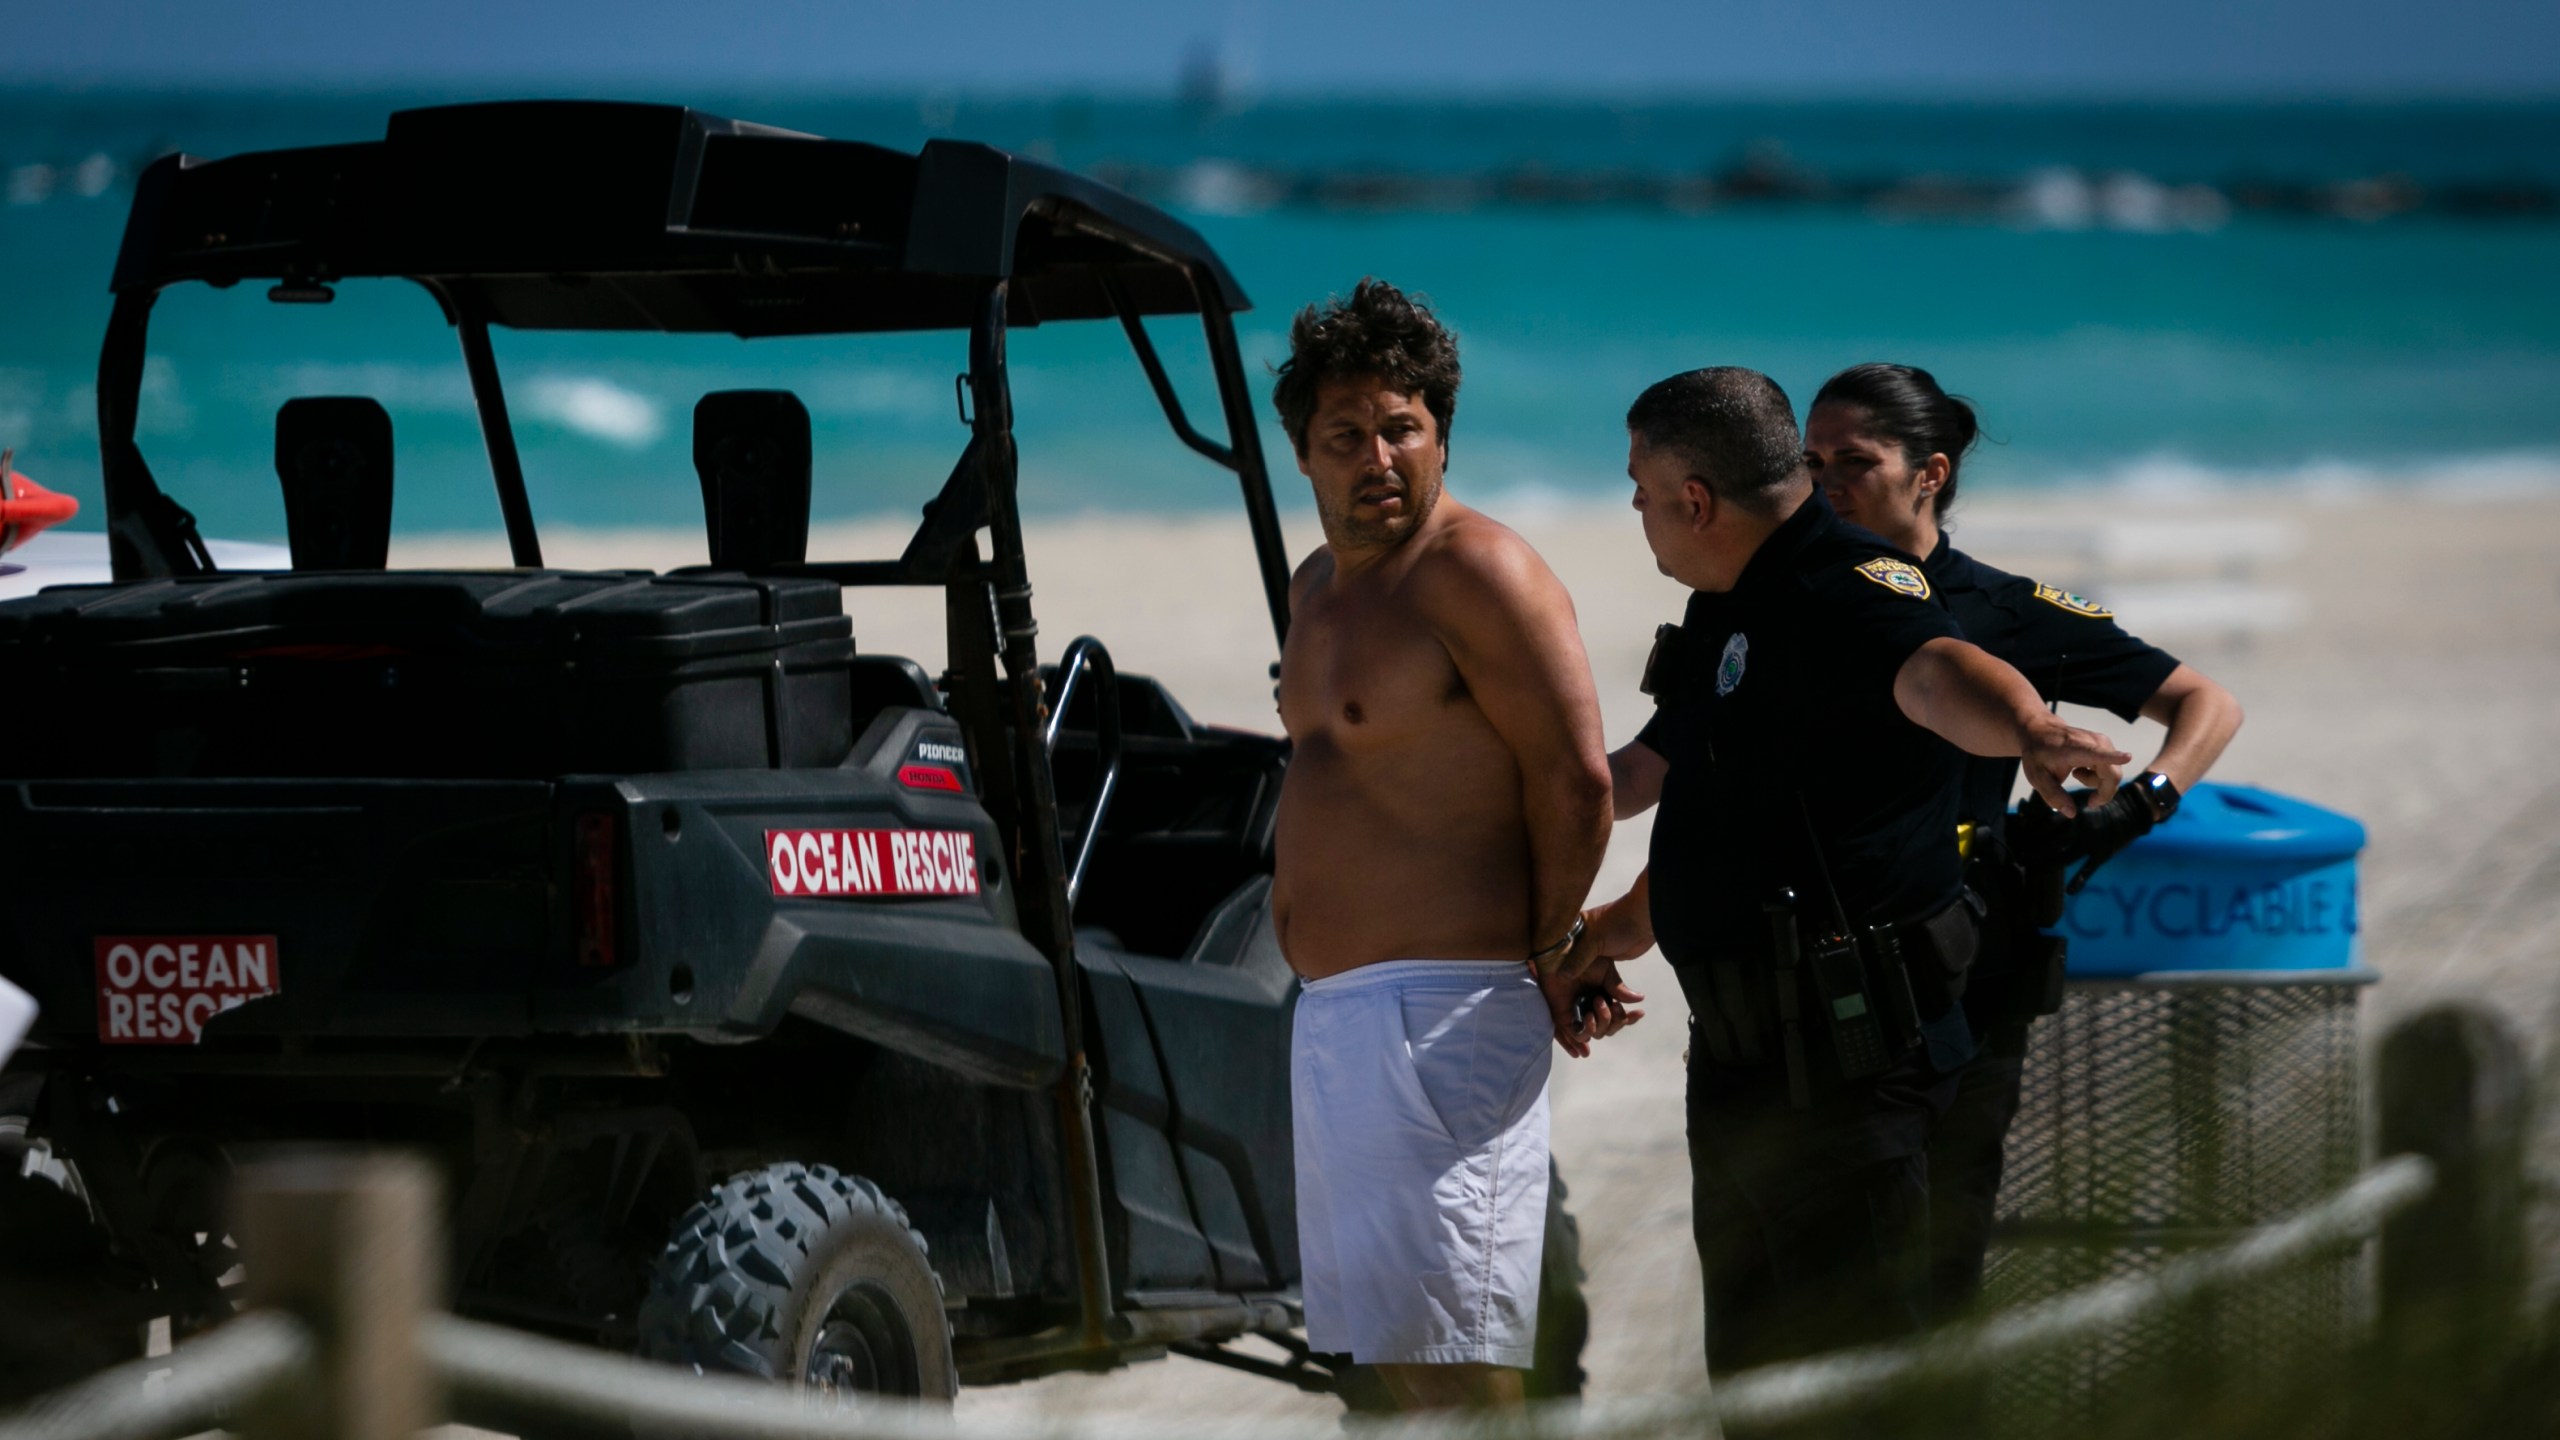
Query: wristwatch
[2161, 793]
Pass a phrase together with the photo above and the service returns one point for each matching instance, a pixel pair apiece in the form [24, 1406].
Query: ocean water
[2105, 342]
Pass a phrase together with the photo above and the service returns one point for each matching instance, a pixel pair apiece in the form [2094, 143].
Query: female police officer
[1887, 445]
[1803, 880]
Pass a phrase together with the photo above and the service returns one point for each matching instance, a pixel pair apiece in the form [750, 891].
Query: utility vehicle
[770, 1005]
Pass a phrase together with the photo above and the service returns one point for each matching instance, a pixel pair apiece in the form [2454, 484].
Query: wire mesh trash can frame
[2161, 1114]
[2200, 1079]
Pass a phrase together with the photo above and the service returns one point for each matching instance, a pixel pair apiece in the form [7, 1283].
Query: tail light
[598, 916]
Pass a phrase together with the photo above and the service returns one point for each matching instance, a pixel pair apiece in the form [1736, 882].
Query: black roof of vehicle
[584, 215]
[597, 215]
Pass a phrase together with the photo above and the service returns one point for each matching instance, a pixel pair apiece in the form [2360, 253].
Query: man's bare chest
[1365, 674]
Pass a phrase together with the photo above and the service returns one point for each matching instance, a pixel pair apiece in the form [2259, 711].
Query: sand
[2399, 658]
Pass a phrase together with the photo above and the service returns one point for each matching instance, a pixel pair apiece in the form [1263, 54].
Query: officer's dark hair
[1732, 427]
[1378, 331]
[1904, 404]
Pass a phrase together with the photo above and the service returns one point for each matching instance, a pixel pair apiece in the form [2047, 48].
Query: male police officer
[1804, 880]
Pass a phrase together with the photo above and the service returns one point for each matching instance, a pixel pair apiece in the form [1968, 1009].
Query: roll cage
[580, 215]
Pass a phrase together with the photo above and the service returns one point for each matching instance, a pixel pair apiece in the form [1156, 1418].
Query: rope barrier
[1782, 1394]
[574, 1381]
[494, 1367]
[198, 1383]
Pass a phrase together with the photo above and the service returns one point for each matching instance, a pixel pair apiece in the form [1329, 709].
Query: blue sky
[1958, 49]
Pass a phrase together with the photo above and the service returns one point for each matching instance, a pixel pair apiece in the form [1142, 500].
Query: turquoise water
[2254, 351]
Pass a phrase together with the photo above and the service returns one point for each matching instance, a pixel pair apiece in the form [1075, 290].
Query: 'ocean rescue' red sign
[872, 862]
[160, 989]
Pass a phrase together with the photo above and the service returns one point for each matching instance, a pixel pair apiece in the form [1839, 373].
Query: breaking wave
[2155, 479]
[598, 409]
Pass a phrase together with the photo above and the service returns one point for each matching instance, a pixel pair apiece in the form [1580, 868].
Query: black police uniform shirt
[2068, 648]
[1779, 712]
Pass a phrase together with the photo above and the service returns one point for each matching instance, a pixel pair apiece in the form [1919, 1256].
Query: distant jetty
[1763, 177]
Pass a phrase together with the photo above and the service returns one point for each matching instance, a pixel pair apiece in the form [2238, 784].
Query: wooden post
[351, 1244]
[2454, 1088]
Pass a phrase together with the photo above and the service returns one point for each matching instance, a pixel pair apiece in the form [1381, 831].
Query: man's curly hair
[1380, 331]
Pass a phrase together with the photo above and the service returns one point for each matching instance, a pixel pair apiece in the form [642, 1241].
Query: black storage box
[488, 675]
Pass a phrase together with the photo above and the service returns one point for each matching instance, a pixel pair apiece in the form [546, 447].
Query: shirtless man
[1445, 809]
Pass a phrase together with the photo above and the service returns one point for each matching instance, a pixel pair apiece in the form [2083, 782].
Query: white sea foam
[2492, 475]
[2162, 480]
[91, 177]
[31, 184]
[597, 408]
[1222, 187]
[2064, 199]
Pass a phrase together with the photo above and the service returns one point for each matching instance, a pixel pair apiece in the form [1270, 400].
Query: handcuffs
[1561, 948]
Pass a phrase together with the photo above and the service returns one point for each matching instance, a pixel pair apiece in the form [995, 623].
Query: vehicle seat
[751, 448]
[333, 456]
[881, 682]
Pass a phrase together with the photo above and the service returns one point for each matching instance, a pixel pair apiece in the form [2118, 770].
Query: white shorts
[1420, 1094]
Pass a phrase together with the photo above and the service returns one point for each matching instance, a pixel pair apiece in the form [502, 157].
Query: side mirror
[333, 455]
[751, 448]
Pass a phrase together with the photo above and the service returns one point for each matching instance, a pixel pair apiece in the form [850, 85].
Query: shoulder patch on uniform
[1899, 576]
[2062, 599]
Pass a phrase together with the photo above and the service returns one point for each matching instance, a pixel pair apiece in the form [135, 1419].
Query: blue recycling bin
[2240, 879]
[2200, 1080]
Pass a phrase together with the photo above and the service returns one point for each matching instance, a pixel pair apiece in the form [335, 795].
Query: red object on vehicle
[929, 777]
[872, 862]
[27, 508]
[160, 989]
[599, 917]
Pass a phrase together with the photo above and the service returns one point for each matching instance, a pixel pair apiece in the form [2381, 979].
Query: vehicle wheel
[805, 1275]
[66, 1310]
[1564, 1320]
[185, 1182]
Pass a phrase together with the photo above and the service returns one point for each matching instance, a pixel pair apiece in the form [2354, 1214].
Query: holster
[1940, 951]
[1863, 997]
[2021, 967]
[1738, 1023]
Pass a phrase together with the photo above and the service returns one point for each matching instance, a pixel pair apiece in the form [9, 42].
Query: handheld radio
[1858, 1039]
